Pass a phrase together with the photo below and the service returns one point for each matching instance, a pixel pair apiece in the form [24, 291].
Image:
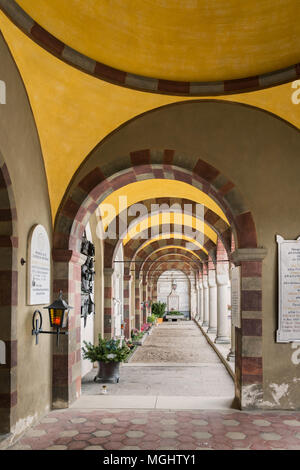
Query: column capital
[108, 271]
[222, 279]
[248, 254]
[212, 278]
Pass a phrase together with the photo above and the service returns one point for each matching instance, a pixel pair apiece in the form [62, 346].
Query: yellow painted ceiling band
[176, 247]
[180, 236]
[68, 136]
[170, 218]
[139, 191]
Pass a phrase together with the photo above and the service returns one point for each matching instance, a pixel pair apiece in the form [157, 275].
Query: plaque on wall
[38, 266]
[236, 296]
[288, 290]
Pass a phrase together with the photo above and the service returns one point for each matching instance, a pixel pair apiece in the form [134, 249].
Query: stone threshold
[220, 350]
[170, 364]
[152, 402]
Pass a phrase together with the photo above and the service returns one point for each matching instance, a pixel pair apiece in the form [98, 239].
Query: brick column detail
[249, 360]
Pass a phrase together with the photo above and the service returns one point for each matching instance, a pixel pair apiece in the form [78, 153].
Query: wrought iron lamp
[58, 316]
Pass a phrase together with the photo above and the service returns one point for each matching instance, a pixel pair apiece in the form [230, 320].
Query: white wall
[183, 288]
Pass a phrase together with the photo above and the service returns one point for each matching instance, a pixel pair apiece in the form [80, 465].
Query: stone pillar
[206, 301]
[231, 354]
[201, 302]
[248, 339]
[193, 300]
[8, 332]
[137, 304]
[196, 316]
[149, 299]
[222, 275]
[66, 361]
[108, 302]
[222, 309]
[213, 308]
[132, 302]
[154, 290]
[126, 287]
[145, 300]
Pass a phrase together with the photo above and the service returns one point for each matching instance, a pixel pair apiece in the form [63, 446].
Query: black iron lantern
[59, 313]
[58, 316]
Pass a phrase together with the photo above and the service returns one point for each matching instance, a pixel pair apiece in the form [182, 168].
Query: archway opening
[207, 218]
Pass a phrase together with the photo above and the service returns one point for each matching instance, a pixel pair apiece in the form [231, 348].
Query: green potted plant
[109, 354]
[158, 309]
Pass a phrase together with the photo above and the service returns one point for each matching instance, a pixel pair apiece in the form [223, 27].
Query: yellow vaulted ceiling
[139, 191]
[179, 236]
[68, 104]
[168, 218]
[192, 40]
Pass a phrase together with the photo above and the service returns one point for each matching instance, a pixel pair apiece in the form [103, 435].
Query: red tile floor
[163, 430]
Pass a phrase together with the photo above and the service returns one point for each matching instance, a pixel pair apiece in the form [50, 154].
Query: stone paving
[154, 429]
[176, 342]
[163, 430]
[175, 360]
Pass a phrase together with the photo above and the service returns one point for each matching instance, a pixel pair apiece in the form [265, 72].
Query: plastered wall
[259, 153]
[20, 148]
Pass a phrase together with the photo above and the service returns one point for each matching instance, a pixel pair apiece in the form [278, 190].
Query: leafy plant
[158, 309]
[175, 312]
[136, 334]
[111, 350]
[151, 319]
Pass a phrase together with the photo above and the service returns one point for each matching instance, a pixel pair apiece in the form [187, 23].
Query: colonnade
[214, 303]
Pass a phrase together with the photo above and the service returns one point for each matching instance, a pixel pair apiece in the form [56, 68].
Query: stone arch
[8, 300]
[169, 251]
[221, 229]
[73, 216]
[94, 181]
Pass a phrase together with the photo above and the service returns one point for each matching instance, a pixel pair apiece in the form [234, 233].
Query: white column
[196, 316]
[213, 308]
[222, 303]
[206, 302]
[201, 302]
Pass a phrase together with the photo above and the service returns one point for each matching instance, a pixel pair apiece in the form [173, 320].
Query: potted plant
[151, 319]
[158, 309]
[109, 354]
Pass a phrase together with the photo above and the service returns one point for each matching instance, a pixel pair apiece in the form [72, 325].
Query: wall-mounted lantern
[58, 316]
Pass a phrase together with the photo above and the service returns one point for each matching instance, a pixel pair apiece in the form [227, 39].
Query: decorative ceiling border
[138, 82]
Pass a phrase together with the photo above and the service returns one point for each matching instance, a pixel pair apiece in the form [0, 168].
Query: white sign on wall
[38, 266]
[236, 296]
[289, 290]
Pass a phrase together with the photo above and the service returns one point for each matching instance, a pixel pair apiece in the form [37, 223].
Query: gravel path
[176, 342]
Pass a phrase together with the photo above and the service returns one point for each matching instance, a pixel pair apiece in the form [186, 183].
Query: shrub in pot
[109, 354]
[158, 309]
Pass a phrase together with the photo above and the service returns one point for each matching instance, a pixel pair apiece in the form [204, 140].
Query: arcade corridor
[149, 168]
[175, 361]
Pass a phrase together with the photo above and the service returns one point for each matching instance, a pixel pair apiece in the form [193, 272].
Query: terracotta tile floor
[165, 430]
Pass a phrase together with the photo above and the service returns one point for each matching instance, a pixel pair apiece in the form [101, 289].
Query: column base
[212, 330]
[222, 340]
[231, 357]
[205, 323]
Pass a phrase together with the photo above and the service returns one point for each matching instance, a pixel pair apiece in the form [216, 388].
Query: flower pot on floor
[108, 372]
